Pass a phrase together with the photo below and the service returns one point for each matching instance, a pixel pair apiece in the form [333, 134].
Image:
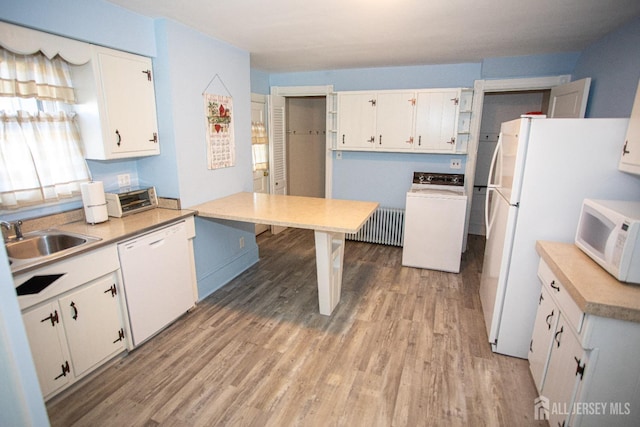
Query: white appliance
[434, 222]
[157, 279]
[609, 232]
[541, 171]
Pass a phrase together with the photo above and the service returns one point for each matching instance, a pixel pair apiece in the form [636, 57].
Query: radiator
[385, 227]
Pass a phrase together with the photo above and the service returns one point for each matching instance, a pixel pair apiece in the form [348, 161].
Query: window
[259, 146]
[40, 156]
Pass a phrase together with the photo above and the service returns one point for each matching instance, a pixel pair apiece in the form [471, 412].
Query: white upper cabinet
[421, 121]
[116, 105]
[356, 120]
[436, 120]
[630, 159]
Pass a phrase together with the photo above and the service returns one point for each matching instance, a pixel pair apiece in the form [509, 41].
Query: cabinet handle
[419, 139]
[371, 140]
[155, 138]
[120, 335]
[113, 290]
[53, 317]
[452, 140]
[119, 138]
[343, 138]
[412, 101]
[624, 149]
[65, 370]
[373, 102]
[455, 101]
[556, 337]
[75, 310]
[554, 286]
[380, 141]
[541, 299]
[547, 321]
[410, 141]
[580, 368]
[148, 73]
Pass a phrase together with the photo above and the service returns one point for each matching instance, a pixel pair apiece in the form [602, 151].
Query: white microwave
[609, 232]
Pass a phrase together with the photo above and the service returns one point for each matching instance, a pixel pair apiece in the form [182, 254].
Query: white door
[357, 120]
[394, 120]
[260, 177]
[569, 100]
[91, 318]
[278, 152]
[48, 347]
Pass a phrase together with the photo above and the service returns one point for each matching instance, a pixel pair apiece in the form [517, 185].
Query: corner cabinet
[630, 159]
[421, 121]
[585, 367]
[116, 105]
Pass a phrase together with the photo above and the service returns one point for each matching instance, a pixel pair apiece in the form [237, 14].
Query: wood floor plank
[404, 347]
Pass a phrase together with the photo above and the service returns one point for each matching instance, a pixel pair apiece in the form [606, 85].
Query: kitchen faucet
[17, 227]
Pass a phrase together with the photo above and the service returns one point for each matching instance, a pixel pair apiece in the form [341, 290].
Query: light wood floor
[405, 347]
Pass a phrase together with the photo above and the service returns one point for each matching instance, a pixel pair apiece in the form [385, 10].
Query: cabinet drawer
[559, 293]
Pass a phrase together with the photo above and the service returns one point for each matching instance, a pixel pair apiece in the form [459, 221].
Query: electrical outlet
[241, 242]
[338, 155]
[124, 180]
[455, 164]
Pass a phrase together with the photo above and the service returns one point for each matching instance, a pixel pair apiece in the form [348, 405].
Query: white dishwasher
[434, 222]
[157, 279]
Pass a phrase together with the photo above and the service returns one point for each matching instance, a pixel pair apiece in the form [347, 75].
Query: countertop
[333, 215]
[111, 231]
[593, 289]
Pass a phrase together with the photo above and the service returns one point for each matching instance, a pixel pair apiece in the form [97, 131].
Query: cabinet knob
[148, 73]
[53, 317]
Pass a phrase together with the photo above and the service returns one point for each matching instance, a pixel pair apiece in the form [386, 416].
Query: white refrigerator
[541, 171]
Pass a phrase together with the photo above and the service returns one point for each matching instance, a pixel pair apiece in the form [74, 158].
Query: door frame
[303, 91]
[480, 87]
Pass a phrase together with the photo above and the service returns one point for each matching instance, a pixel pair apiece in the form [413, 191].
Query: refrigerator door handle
[491, 187]
[486, 211]
[494, 159]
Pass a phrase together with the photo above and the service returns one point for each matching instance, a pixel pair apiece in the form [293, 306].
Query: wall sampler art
[221, 150]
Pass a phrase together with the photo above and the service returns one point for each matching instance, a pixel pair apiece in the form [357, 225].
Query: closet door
[278, 151]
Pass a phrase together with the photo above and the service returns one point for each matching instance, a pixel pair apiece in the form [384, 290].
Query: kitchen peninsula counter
[593, 289]
[329, 218]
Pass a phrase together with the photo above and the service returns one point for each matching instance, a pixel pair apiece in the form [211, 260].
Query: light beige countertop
[333, 215]
[111, 231]
[593, 289]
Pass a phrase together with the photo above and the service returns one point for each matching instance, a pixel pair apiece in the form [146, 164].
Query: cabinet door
[436, 122]
[48, 348]
[394, 121]
[630, 160]
[91, 317]
[541, 340]
[356, 121]
[130, 126]
[561, 379]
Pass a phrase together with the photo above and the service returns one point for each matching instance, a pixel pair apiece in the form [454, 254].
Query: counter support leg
[329, 262]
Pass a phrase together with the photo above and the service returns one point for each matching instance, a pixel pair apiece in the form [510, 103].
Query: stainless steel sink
[44, 243]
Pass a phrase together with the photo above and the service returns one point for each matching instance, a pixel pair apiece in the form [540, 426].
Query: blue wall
[613, 63]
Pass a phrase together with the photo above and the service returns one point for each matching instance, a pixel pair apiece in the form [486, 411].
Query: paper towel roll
[95, 205]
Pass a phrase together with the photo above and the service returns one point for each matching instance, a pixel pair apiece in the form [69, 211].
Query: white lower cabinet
[73, 334]
[585, 367]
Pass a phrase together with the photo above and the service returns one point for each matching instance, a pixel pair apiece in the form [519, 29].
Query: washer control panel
[429, 178]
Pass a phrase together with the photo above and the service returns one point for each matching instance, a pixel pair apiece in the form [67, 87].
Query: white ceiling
[304, 35]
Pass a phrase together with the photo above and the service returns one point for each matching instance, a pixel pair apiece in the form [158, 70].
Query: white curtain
[35, 76]
[40, 155]
[260, 146]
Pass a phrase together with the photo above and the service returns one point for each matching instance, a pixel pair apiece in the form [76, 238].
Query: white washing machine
[434, 222]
